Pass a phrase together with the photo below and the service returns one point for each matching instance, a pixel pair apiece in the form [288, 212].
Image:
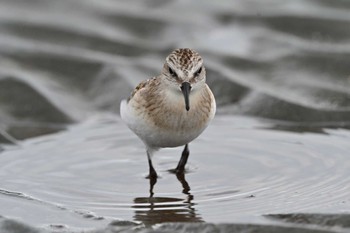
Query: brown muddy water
[275, 158]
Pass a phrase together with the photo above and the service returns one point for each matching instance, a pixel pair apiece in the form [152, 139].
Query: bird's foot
[152, 181]
[152, 175]
[177, 171]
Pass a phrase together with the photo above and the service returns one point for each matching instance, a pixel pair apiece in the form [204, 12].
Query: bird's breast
[163, 121]
[170, 113]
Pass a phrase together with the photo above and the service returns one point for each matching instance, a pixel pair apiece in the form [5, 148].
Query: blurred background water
[280, 72]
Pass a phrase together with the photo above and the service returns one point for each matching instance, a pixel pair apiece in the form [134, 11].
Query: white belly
[160, 138]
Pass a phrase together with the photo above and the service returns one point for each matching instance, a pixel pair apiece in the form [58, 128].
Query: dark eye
[198, 71]
[172, 72]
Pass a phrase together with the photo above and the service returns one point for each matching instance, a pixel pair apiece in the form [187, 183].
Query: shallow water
[279, 144]
[239, 170]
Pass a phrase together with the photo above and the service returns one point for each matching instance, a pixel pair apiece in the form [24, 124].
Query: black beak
[186, 88]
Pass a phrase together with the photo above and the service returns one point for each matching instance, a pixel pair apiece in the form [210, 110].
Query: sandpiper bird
[172, 109]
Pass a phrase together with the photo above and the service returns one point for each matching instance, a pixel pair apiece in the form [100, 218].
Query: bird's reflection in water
[152, 210]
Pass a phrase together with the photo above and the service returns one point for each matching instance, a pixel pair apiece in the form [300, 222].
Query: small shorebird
[172, 109]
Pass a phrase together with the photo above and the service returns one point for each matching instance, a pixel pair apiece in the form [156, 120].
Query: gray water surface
[239, 170]
[275, 158]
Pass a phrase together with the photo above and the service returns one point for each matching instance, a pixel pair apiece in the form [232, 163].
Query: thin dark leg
[184, 157]
[185, 186]
[152, 171]
[152, 182]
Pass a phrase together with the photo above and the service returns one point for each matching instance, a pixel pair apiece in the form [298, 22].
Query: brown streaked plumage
[171, 109]
[184, 59]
